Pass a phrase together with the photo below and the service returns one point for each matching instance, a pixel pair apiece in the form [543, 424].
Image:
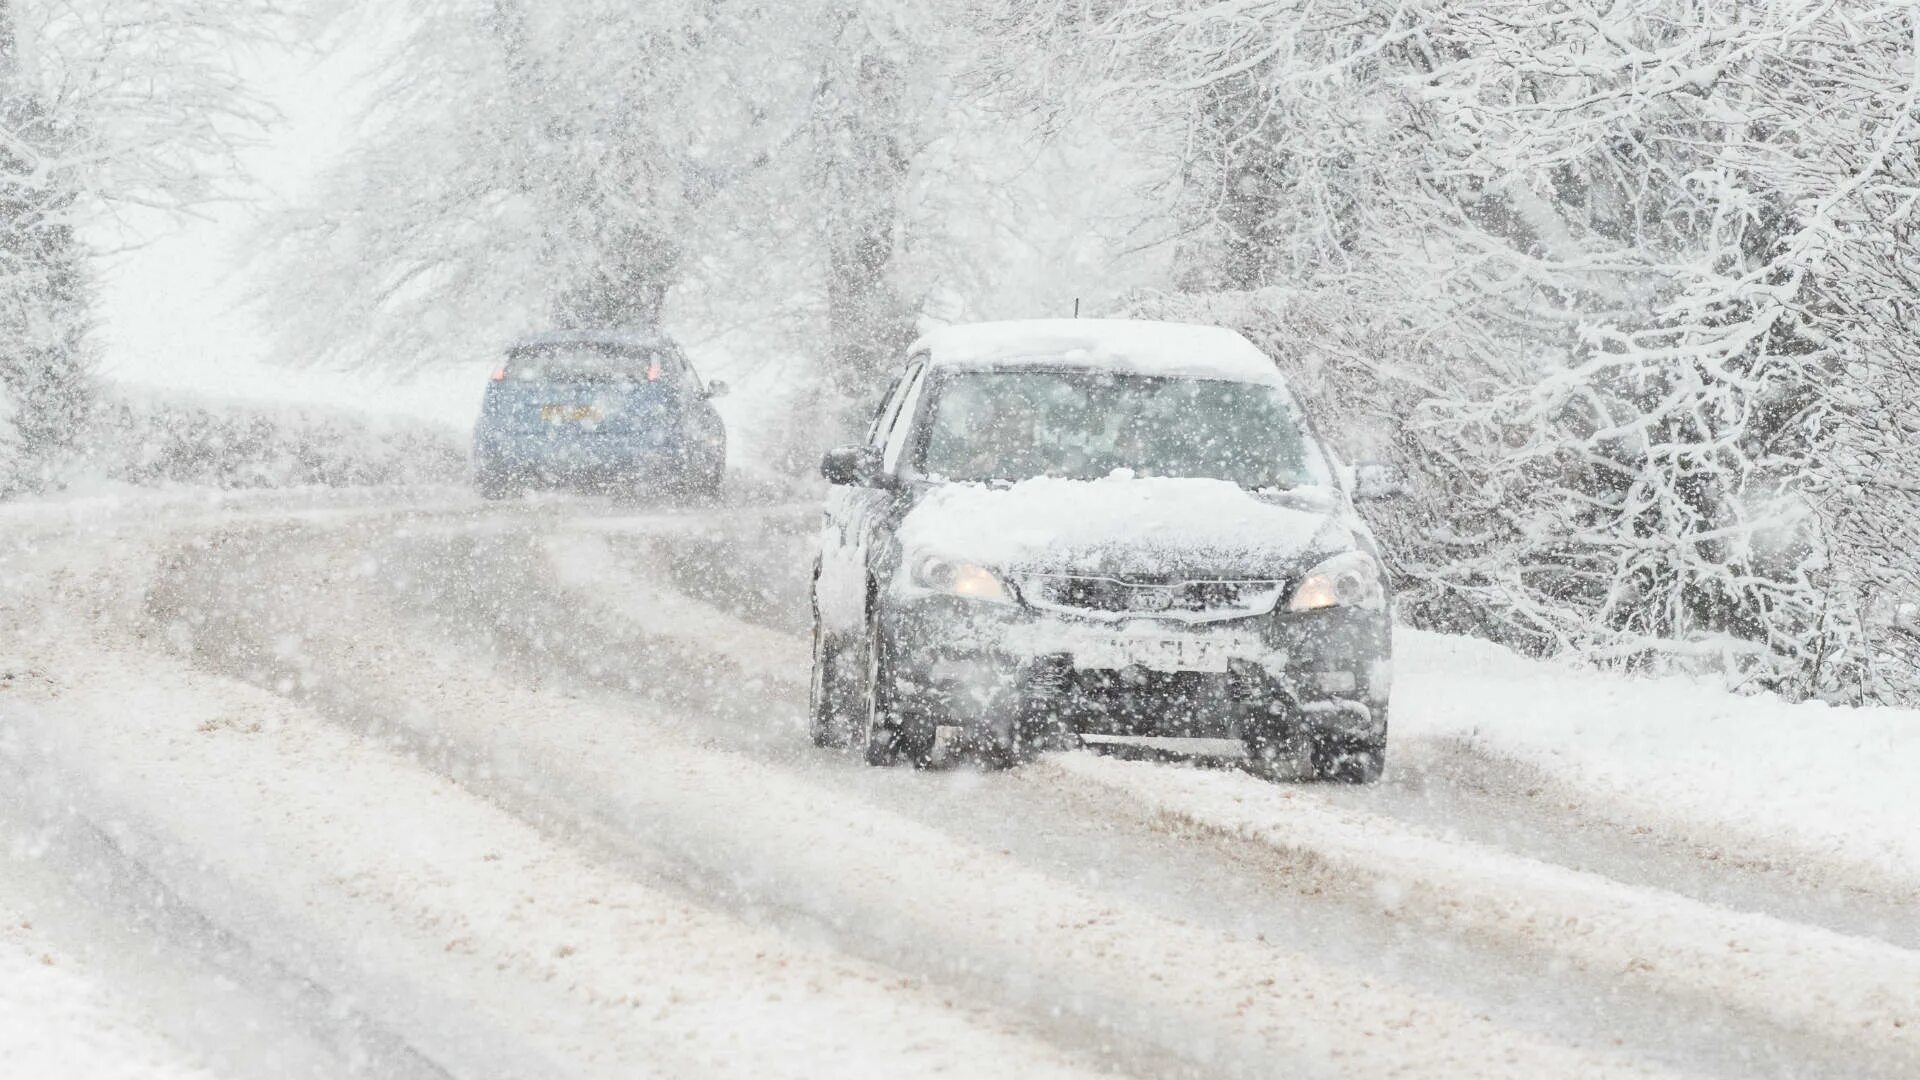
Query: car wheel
[713, 483]
[1010, 751]
[1344, 761]
[1272, 742]
[1271, 754]
[874, 723]
[913, 738]
[492, 485]
[888, 733]
[1001, 741]
[826, 700]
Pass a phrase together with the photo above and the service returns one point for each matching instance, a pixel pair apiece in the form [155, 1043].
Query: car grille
[1184, 601]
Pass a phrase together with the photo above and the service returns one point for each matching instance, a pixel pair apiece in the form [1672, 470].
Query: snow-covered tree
[525, 164]
[103, 104]
[1597, 273]
[1843, 96]
[863, 146]
[529, 165]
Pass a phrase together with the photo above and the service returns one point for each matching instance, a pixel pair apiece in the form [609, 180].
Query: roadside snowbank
[1799, 779]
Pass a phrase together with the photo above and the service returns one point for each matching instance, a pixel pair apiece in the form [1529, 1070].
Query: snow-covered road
[398, 784]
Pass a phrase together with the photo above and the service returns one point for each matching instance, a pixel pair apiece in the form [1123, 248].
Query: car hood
[1136, 528]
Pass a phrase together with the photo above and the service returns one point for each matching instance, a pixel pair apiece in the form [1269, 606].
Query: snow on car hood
[1127, 527]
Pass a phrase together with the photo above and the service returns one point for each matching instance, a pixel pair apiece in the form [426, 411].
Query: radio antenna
[1076, 307]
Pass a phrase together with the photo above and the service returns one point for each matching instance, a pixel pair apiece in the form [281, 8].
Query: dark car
[621, 412]
[1059, 529]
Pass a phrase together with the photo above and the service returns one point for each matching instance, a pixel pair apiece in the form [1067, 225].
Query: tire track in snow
[1860, 996]
[220, 978]
[1507, 803]
[102, 593]
[1830, 986]
[241, 1012]
[586, 651]
[1496, 799]
[63, 1021]
[506, 953]
[973, 918]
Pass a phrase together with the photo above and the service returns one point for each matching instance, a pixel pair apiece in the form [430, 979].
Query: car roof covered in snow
[1134, 346]
[627, 338]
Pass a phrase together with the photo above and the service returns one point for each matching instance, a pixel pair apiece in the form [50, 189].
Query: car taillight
[500, 374]
[653, 372]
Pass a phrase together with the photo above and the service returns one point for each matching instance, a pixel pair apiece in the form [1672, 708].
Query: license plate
[571, 414]
[1157, 654]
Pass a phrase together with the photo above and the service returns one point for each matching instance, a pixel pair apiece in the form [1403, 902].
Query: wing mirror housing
[1375, 481]
[852, 466]
[716, 388]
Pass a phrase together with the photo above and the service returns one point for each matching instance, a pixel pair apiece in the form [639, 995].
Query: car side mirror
[1375, 481]
[716, 388]
[852, 466]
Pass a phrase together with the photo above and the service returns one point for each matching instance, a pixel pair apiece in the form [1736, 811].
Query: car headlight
[963, 579]
[1349, 580]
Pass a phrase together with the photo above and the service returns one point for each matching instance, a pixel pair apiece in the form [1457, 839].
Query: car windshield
[587, 363]
[1084, 425]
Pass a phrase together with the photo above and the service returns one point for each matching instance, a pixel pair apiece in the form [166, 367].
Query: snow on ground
[1834, 784]
[797, 843]
[588, 566]
[369, 741]
[370, 870]
[56, 1021]
[1797, 975]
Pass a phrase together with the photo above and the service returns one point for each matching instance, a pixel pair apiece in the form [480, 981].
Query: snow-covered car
[618, 411]
[1098, 527]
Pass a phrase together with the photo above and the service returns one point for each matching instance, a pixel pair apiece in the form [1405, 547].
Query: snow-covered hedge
[144, 438]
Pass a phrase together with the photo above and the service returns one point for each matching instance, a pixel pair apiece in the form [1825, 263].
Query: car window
[885, 411]
[883, 421]
[903, 421]
[1017, 425]
[595, 363]
[689, 378]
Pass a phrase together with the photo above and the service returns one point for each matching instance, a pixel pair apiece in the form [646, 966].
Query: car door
[840, 586]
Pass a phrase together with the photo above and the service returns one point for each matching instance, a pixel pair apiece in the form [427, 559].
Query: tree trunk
[863, 165]
[609, 271]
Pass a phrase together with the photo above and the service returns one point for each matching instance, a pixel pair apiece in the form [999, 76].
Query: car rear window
[576, 363]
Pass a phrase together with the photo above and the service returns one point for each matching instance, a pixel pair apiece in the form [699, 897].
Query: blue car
[621, 412]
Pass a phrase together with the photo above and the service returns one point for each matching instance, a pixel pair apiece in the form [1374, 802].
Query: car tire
[1271, 740]
[886, 733]
[826, 696]
[914, 736]
[493, 486]
[1271, 754]
[713, 477]
[1010, 752]
[1343, 761]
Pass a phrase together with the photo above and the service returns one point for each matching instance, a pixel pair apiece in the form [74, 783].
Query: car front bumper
[992, 665]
